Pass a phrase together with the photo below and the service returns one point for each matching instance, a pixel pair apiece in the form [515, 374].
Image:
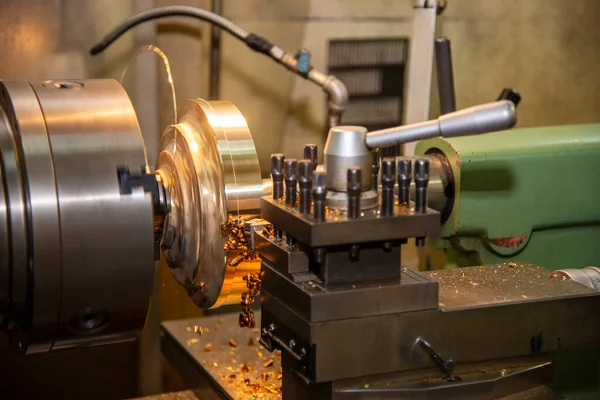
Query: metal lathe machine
[83, 217]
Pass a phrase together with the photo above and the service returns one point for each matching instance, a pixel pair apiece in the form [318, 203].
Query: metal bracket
[148, 182]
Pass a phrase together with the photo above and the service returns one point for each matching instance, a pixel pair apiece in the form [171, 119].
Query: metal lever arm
[490, 117]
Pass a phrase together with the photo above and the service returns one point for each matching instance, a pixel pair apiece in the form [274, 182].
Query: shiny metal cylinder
[210, 170]
[345, 148]
[588, 276]
[78, 257]
[484, 118]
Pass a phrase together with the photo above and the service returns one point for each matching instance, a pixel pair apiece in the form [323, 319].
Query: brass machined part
[210, 171]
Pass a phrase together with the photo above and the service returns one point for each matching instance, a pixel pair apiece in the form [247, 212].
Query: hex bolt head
[277, 161]
[388, 171]
[290, 172]
[404, 170]
[291, 169]
[310, 153]
[421, 170]
[319, 193]
[354, 180]
[305, 171]
[319, 183]
[388, 180]
[421, 176]
[354, 188]
[404, 178]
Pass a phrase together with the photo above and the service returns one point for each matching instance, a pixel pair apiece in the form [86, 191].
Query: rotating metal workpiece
[84, 217]
[209, 168]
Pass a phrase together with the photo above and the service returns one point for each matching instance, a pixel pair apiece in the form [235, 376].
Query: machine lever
[484, 118]
[445, 77]
[272, 342]
[445, 365]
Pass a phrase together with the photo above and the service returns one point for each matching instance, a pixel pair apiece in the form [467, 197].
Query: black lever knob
[510, 94]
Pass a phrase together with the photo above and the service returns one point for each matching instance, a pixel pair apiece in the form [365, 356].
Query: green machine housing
[524, 195]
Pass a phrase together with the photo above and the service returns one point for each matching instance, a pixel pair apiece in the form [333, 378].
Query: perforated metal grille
[372, 112]
[373, 71]
[369, 52]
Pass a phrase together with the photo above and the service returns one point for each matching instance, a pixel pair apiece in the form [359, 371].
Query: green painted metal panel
[526, 195]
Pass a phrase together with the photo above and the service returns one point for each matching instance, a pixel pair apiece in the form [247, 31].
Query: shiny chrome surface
[484, 118]
[28, 121]
[210, 170]
[14, 248]
[267, 187]
[345, 148]
[588, 276]
[339, 200]
[81, 253]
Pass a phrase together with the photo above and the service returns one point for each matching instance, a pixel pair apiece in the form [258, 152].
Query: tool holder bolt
[404, 178]
[277, 161]
[305, 183]
[421, 177]
[310, 153]
[375, 168]
[319, 193]
[388, 179]
[291, 181]
[354, 186]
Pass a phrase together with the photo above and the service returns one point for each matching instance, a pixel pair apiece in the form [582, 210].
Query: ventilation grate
[373, 72]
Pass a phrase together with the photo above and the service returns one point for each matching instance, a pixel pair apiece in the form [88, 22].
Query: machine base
[210, 372]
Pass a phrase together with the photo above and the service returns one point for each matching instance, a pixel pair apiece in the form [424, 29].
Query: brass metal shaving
[237, 241]
[268, 230]
[246, 319]
[268, 363]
